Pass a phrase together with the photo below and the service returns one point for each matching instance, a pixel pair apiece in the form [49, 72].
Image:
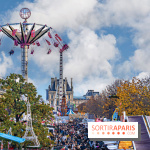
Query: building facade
[72, 102]
[77, 100]
[53, 91]
[91, 93]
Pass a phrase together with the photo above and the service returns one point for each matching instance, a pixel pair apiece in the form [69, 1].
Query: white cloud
[59, 14]
[125, 69]
[143, 75]
[91, 56]
[89, 59]
[139, 62]
[48, 63]
[134, 14]
[32, 81]
[93, 83]
[5, 64]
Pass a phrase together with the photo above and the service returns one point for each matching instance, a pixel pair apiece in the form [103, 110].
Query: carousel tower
[25, 37]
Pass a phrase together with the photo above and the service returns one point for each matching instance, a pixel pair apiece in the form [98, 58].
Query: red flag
[14, 32]
[65, 47]
[56, 44]
[33, 43]
[50, 36]
[58, 37]
[48, 42]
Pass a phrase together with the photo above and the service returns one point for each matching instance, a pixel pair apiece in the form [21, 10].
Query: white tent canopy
[70, 112]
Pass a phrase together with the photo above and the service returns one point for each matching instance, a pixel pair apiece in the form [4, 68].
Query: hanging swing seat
[37, 43]
[48, 42]
[11, 52]
[56, 44]
[65, 47]
[32, 51]
[49, 34]
[58, 37]
[49, 51]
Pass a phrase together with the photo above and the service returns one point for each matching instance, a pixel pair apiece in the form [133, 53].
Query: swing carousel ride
[26, 35]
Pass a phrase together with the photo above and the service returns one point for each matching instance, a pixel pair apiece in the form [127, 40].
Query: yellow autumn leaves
[134, 97]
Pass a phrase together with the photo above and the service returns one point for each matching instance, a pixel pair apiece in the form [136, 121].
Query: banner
[113, 130]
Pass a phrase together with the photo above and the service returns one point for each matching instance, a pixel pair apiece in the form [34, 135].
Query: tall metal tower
[60, 87]
[29, 134]
[61, 77]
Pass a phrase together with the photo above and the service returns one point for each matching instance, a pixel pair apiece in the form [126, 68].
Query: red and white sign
[112, 129]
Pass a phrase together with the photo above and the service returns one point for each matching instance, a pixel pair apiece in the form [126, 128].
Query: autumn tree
[109, 98]
[82, 107]
[92, 106]
[112, 89]
[13, 106]
[134, 97]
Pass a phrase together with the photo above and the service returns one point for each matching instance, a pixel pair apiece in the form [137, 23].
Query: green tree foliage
[13, 106]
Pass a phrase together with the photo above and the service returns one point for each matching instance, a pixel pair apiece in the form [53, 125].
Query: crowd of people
[74, 136]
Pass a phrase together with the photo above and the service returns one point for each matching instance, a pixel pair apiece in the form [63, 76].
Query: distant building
[91, 93]
[77, 100]
[71, 101]
[53, 90]
[82, 99]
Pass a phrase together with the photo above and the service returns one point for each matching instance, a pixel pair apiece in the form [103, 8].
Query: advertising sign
[113, 130]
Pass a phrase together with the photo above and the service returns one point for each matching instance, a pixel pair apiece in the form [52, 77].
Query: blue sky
[108, 40]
